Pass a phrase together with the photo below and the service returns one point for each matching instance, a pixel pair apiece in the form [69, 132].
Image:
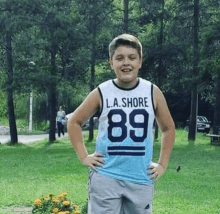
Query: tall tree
[10, 72]
[55, 24]
[154, 16]
[210, 58]
[52, 89]
[93, 62]
[126, 13]
[194, 101]
[160, 43]
[216, 122]
[12, 21]
[95, 13]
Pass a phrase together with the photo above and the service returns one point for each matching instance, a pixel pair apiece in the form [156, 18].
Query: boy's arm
[87, 109]
[167, 126]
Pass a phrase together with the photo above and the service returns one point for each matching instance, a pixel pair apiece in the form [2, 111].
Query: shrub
[58, 205]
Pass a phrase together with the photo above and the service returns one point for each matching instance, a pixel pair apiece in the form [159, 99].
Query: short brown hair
[127, 40]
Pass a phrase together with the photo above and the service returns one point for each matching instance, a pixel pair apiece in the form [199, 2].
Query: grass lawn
[35, 170]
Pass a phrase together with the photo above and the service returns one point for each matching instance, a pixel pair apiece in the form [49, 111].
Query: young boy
[122, 175]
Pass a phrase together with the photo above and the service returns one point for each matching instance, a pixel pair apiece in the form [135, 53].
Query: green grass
[195, 188]
[34, 170]
[23, 126]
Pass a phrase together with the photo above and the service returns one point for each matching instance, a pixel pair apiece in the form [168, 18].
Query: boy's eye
[132, 57]
[119, 58]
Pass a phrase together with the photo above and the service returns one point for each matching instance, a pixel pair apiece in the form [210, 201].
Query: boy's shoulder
[144, 81]
[108, 82]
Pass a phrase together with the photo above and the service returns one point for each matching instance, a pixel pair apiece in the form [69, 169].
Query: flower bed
[58, 205]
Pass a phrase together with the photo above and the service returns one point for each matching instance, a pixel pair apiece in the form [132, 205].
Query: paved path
[16, 210]
[25, 139]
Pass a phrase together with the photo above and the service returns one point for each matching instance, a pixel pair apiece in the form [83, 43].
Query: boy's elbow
[172, 128]
[168, 128]
[72, 124]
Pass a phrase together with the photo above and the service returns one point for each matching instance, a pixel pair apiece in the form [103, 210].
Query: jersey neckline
[127, 89]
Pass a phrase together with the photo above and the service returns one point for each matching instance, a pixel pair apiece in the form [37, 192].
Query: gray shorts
[111, 196]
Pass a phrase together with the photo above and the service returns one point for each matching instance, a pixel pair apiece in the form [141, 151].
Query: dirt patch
[16, 210]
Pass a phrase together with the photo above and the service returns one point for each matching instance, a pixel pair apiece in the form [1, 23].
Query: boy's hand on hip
[94, 160]
[156, 170]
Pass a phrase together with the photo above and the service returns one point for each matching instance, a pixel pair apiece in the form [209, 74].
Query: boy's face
[126, 63]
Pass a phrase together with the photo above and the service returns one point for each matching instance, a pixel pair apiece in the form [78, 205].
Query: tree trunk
[126, 3]
[92, 80]
[11, 114]
[193, 117]
[160, 70]
[194, 101]
[52, 95]
[216, 122]
[156, 131]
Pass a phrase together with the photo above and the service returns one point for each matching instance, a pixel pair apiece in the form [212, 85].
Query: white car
[202, 124]
[86, 125]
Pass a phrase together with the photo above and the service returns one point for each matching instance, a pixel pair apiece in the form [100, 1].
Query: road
[25, 139]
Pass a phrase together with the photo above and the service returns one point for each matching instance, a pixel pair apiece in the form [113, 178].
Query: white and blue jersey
[125, 133]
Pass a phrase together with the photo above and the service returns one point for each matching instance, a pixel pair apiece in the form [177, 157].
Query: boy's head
[125, 40]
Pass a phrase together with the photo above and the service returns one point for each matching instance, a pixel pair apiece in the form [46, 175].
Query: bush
[59, 205]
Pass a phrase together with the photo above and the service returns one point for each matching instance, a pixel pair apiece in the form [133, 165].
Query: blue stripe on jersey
[126, 147]
[123, 150]
[127, 153]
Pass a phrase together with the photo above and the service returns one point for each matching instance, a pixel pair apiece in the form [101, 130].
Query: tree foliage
[59, 49]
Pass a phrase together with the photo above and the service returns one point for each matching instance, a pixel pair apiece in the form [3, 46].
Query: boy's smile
[126, 63]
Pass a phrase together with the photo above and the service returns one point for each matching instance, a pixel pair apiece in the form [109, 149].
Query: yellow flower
[74, 206]
[67, 212]
[65, 194]
[51, 195]
[77, 212]
[38, 199]
[66, 203]
[60, 196]
[37, 202]
[55, 201]
[46, 198]
[55, 210]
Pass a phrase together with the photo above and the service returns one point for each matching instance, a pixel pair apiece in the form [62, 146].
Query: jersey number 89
[121, 124]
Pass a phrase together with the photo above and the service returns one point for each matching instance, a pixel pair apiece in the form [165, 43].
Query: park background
[58, 52]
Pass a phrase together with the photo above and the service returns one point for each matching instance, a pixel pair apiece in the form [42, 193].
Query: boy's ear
[140, 64]
[110, 63]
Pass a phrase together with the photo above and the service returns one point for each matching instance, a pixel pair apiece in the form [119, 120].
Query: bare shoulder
[92, 101]
[94, 94]
[158, 96]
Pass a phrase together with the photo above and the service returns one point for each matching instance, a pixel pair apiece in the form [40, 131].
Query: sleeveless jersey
[125, 134]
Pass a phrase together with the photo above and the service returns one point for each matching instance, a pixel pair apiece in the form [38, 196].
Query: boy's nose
[126, 61]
